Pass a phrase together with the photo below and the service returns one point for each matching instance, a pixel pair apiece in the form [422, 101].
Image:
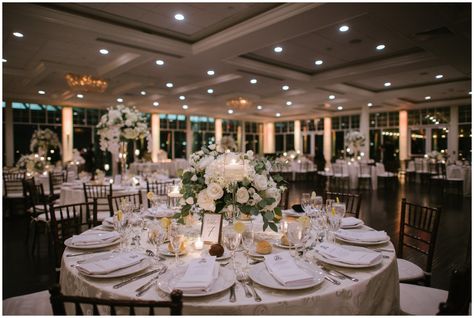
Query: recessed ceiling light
[427, 97]
[41, 92]
[80, 96]
[380, 47]
[159, 62]
[185, 106]
[169, 85]
[18, 34]
[230, 111]
[387, 84]
[332, 96]
[120, 100]
[318, 62]
[210, 91]
[259, 107]
[143, 93]
[253, 81]
[439, 76]
[278, 114]
[285, 87]
[340, 108]
[104, 51]
[344, 28]
[211, 72]
[4, 60]
[182, 97]
[156, 104]
[289, 103]
[278, 49]
[179, 17]
[370, 104]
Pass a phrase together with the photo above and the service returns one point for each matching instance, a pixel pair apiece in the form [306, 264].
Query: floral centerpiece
[435, 155]
[33, 163]
[221, 181]
[43, 140]
[227, 143]
[353, 141]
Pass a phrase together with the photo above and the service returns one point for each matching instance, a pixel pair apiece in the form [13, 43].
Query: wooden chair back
[56, 179]
[115, 202]
[112, 306]
[351, 200]
[34, 197]
[98, 195]
[418, 231]
[285, 199]
[13, 182]
[158, 188]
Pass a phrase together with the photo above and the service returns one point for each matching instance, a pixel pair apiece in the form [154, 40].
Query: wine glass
[295, 234]
[120, 225]
[306, 202]
[318, 203]
[176, 237]
[156, 236]
[231, 241]
[248, 237]
[335, 215]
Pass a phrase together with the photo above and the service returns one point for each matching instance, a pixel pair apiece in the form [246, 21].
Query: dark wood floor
[24, 273]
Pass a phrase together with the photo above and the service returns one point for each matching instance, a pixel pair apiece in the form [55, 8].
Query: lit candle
[137, 152]
[174, 191]
[199, 244]
[106, 167]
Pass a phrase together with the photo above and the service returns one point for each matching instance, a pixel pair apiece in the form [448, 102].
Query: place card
[211, 228]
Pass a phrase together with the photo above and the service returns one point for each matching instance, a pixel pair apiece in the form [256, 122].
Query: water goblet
[156, 236]
[120, 225]
[295, 234]
[248, 237]
[176, 238]
[306, 202]
[335, 215]
[231, 241]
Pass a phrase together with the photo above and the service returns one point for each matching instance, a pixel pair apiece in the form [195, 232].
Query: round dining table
[375, 293]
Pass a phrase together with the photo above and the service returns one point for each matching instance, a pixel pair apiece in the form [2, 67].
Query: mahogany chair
[56, 179]
[98, 195]
[116, 201]
[352, 202]
[158, 188]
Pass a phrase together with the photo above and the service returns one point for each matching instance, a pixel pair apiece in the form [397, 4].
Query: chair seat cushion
[364, 176]
[14, 195]
[30, 304]
[407, 271]
[421, 300]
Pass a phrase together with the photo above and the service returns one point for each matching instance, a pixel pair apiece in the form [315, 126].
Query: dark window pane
[439, 140]
[180, 144]
[418, 141]
[344, 122]
[372, 122]
[355, 121]
[381, 119]
[465, 114]
[279, 143]
[79, 116]
[465, 142]
[335, 123]
[290, 142]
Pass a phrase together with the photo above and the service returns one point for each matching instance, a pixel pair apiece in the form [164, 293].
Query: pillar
[403, 138]
[269, 138]
[241, 136]
[189, 137]
[9, 146]
[327, 139]
[364, 130]
[260, 139]
[453, 128]
[218, 130]
[155, 136]
[297, 136]
[68, 133]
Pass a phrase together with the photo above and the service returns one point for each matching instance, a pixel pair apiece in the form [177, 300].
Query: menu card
[284, 269]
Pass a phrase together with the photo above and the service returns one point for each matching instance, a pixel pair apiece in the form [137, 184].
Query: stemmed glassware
[306, 202]
[231, 241]
[335, 214]
[248, 237]
[176, 237]
[120, 225]
[295, 234]
[156, 236]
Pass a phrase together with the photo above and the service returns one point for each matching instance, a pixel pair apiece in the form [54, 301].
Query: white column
[218, 130]
[453, 143]
[189, 137]
[268, 138]
[297, 136]
[403, 138]
[260, 139]
[9, 146]
[68, 133]
[155, 136]
[242, 136]
[364, 130]
[327, 140]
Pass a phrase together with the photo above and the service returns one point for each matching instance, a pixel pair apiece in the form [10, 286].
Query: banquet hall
[236, 158]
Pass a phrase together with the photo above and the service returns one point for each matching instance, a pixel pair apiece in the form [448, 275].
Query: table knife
[332, 280]
[134, 278]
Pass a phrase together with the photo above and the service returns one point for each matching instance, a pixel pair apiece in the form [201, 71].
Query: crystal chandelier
[239, 103]
[86, 83]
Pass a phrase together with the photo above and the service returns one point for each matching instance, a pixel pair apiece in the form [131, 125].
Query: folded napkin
[94, 237]
[284, 269]
[110, 264]
[108, 222]
[343, 255]
[362, 236]
[199, 276]
[350, 222]
[291, 212]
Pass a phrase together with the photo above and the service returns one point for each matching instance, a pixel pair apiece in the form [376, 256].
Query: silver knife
[332, 280]
[345, 275]
[141, 290]
[134, 278]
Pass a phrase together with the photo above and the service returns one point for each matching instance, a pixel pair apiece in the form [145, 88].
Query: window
[203, 131]
[253, 136]
[465, 132]
[284, 136]
[173, 135]
[418, 141]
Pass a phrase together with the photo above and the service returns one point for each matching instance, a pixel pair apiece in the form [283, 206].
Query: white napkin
[94, 237]
[292, 212]
[350, 222]
[362, 236]
[284, 269]
[340, 254]
[108, 222]
[110, 264]
[199, 276]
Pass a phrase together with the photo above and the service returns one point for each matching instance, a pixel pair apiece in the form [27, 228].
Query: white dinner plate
[262, 276]
[363, 243]
[341, 264]
[91, 247]
[223, 282]
[164, 251]
[253, 253]
[145, 263]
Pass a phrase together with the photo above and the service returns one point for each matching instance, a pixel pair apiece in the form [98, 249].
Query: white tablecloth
[376, 293]
[170, 166]
[464, 172]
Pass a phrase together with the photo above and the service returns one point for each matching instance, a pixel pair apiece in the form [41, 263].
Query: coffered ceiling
[237, 42]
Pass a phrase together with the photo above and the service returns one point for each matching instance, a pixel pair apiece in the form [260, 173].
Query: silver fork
[241, 278]
[250, 283]
[141, 290]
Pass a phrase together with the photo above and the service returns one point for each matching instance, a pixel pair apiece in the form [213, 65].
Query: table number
[211, 228]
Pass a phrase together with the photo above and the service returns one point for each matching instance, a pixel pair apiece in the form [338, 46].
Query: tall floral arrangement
[219, 181]
[121, 124]
[435, 155]
[227, 143]
[44, 139]
[33, 163]
[354, 140]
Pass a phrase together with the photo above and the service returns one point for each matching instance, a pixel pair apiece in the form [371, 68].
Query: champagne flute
[231, 241]
[176, 237]
[156, 236]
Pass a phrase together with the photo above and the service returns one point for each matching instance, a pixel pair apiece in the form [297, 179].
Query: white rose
[257, 198]
[200, 153]
[194, 178]
[205, 202]
[242, 195]
[212, 147]
[250, 154]
[272, 193]
[206, 161]
[251, 191]
[214, 191]
[260, 182]
[190, 200]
